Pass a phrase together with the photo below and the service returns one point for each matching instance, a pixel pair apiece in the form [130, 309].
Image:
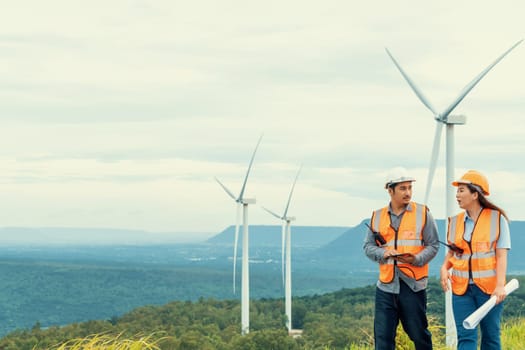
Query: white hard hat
[397, 175]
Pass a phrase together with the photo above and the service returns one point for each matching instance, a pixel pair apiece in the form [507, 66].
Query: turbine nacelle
[456, 119]
[451, 119]
[246, 201]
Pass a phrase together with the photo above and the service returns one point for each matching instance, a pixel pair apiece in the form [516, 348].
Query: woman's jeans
[463, 306]
[410, 308]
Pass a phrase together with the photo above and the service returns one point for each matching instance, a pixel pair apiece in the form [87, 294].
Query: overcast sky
[121, 113]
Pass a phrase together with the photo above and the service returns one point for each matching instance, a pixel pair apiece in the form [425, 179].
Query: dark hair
[484, 202]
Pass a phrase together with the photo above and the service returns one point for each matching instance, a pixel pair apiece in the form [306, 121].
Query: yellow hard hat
[474, 177]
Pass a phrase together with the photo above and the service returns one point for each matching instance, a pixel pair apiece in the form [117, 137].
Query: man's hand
[406, 258]
[444, 277]
[389, 253]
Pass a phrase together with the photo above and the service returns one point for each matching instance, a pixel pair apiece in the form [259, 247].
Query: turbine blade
[473, 83]
[271, 212]
[283, 233]
[291, 191]
[416, 90]
[236, 241]
[226, 189]
[433, 159]
[249, 168]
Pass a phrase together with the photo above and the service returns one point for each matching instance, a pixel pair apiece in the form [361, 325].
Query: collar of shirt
[395, 220]
[469, 227]
[469, 218]
[407, 208]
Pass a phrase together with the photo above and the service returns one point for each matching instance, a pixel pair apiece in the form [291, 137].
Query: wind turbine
[286, 241]
[243, 202]
[444, 118]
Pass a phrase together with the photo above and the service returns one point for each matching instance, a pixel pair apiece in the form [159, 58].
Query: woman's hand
[499, 293]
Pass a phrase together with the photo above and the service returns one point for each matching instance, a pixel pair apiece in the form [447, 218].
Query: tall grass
[108, 342]
[512, 337]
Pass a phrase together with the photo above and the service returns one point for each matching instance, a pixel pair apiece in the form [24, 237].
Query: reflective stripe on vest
[478, 260]
[407, 239]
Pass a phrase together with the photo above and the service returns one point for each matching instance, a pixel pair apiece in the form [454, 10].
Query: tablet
[398, 255]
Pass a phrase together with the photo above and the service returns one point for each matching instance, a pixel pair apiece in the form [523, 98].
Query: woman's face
[465, 198]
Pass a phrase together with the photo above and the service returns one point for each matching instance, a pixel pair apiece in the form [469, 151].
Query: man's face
[401, 194]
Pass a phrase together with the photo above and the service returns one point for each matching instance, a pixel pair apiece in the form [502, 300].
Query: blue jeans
[410, 308]
[463, 306]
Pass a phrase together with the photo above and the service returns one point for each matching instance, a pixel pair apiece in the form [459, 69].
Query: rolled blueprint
[473, 320]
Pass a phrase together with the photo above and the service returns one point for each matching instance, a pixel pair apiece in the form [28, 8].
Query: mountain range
[270, 235]
[336, 243]
[49, 236]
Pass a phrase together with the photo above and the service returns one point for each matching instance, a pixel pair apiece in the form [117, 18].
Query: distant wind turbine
[444, 118]
[287, 243]
[243, 202]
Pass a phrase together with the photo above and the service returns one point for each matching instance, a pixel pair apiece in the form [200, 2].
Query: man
[402, 238]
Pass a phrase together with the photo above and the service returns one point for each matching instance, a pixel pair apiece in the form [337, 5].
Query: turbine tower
[286, 242]
[243, 202]
[445, 118]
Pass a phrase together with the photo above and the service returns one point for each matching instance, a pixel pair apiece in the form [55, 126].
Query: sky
[120, 114]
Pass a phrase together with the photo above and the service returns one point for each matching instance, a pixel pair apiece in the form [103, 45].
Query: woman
[476, 262]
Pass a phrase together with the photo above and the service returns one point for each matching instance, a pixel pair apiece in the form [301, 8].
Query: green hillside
[329, 321]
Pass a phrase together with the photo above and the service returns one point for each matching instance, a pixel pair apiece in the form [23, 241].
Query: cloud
[120, 114]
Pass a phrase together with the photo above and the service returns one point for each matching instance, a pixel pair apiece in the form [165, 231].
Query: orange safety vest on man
[407, 239]
[478, 261]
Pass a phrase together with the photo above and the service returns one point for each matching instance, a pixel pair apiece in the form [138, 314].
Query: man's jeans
[463, 306]
[410, 308]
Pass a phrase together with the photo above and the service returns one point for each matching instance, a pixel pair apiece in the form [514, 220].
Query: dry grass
[108, 342]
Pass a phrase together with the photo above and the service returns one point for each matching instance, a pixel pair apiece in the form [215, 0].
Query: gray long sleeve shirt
[431, 247]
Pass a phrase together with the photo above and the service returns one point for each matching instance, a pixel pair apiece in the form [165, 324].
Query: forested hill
[270, 235]
[333, 320]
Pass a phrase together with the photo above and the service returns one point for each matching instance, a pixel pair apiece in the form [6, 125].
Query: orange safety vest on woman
[478, 260]
[407, 239]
